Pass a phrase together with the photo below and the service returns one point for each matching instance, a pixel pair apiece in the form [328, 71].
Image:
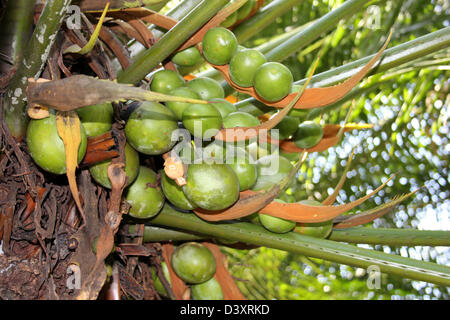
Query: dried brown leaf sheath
[329, 139]
[354, 220]
[143, 14]
[262, 202]
[303, 213]
[248, 203]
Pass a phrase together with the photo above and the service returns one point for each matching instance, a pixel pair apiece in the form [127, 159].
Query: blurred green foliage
[409, 107]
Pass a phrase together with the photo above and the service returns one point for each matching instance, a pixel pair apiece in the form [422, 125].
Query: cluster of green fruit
[248, 67]
[272, 81]
[193, 263]
[210, 186]
[48, 151]
[224, 170]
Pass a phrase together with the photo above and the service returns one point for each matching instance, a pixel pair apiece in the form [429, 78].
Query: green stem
[320, 27]
[262, 19]
[159, 234]
[170, 41]
[15, 30]
[376, 236]
[392, 237]
[31, 65]
[308, 246]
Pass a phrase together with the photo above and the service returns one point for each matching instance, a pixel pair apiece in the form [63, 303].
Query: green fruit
[298, 113]
[206, 88]
[209, 290]
[241, 48]
[317, 230]
[272, 81]
[174, 193]
[240, 119]
[271, 170]
[99, 171]
[202, 120]
[245, 170]
[308, 134]
[275, 224]
[223, 106]
[188, 57]
[253, 218]
[246, 173]
[261, 149]
[178, 107]
[301, 114]
[211, 186]
[243, 66]
[193, 263]
[245, 10]
[219, 45]
[165, 81]
[157, 283]
[146, 200]
[254, 110]
[230, 20]
[97, 119]
[287, 127]
[47, 148]
[149, 128]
